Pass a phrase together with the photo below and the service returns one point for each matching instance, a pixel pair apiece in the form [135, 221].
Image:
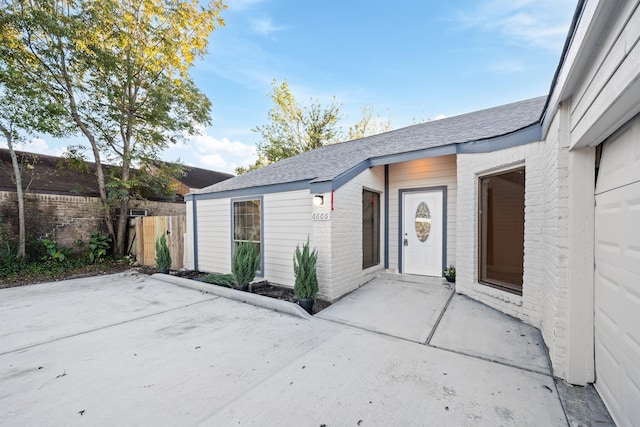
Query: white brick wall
[470, 167]
[544, 299]
[346, 234]
[321, 240]
[555, 243]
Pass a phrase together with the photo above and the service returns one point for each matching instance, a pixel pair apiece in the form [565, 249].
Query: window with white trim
[247, 223]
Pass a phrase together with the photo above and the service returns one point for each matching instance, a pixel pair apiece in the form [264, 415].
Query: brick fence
[68, 218]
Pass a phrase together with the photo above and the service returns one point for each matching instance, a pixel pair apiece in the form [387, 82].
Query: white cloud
[539, 23]
[206, 144]
[440, 117]
[265, 27]
[38, 146]
[221, 154]
[214, 161]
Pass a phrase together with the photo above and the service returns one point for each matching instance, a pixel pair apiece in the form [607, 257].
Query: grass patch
[24, 273]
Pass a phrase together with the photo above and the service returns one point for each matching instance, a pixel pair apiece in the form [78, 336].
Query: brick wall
[544, 299]
[70, 218]
[346, 233]
[555, 249]
[527, 307]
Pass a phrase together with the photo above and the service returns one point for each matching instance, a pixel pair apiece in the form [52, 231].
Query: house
[63, 199]
[193, 178]
[536, 203]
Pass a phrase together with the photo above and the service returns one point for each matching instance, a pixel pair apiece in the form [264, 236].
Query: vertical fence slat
[149, 228]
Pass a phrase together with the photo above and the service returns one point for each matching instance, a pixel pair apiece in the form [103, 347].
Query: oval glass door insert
[423, 221]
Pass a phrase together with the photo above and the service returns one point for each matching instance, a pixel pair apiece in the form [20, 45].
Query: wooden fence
[148, 228]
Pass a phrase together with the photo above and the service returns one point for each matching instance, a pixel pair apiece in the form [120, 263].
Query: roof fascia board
[251, 191]
[414, 155]
[527, 135]
[322, 186]
[582, 37]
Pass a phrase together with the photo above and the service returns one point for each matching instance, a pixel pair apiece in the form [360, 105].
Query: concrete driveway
[130, 349]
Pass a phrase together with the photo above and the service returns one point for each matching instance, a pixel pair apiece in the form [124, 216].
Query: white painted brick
[546, 212]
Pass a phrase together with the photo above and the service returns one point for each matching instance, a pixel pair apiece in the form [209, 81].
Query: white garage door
[617, 277]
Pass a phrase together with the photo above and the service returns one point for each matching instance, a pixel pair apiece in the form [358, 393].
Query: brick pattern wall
[527, 307]
[555, 248]
[68, 218]
[346, 233]
[544, 300]
[320, 238]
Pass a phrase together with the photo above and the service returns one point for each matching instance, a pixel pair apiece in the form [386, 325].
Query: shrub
[246, 262]
[8, 256]
[55, 252]
[450, 272]
[225, 280]
[304, 269]
[99, 246]
[163, 257]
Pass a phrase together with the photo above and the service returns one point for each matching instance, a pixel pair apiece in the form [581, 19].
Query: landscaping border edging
[246, 297]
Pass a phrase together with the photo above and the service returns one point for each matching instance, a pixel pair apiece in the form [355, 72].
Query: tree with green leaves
[122, 71]
[24, 111]
[294, 128]
[369, 124]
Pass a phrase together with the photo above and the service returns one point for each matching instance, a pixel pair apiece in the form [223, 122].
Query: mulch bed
[263, 288]
[285, 294]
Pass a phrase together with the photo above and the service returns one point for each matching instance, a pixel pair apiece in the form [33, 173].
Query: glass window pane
[370, 229]
[501, 230]
[246, 223]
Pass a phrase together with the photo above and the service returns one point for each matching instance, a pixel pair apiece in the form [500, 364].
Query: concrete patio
[130, 349]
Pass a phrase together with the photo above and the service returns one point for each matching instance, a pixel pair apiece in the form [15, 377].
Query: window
[370, 229]
[501, 230]
[247, 223]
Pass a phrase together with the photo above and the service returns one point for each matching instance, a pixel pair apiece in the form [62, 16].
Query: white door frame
[401, 193]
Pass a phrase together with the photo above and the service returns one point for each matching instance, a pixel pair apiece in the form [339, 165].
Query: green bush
[99, 246]
[8, 256]
[225, 280]
[163, 257]
[450, 272]
[246, 261]
[304, 269]
[55, 252]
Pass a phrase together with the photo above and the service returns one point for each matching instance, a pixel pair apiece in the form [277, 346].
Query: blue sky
[408, 60]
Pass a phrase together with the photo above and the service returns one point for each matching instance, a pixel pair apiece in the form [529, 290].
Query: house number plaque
[321, 216]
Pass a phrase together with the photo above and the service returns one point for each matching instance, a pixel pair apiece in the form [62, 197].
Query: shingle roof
[200, 178]
[49, 177]
[331, 161]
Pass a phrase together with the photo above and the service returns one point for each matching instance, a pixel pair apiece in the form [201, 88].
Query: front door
[423, 232]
